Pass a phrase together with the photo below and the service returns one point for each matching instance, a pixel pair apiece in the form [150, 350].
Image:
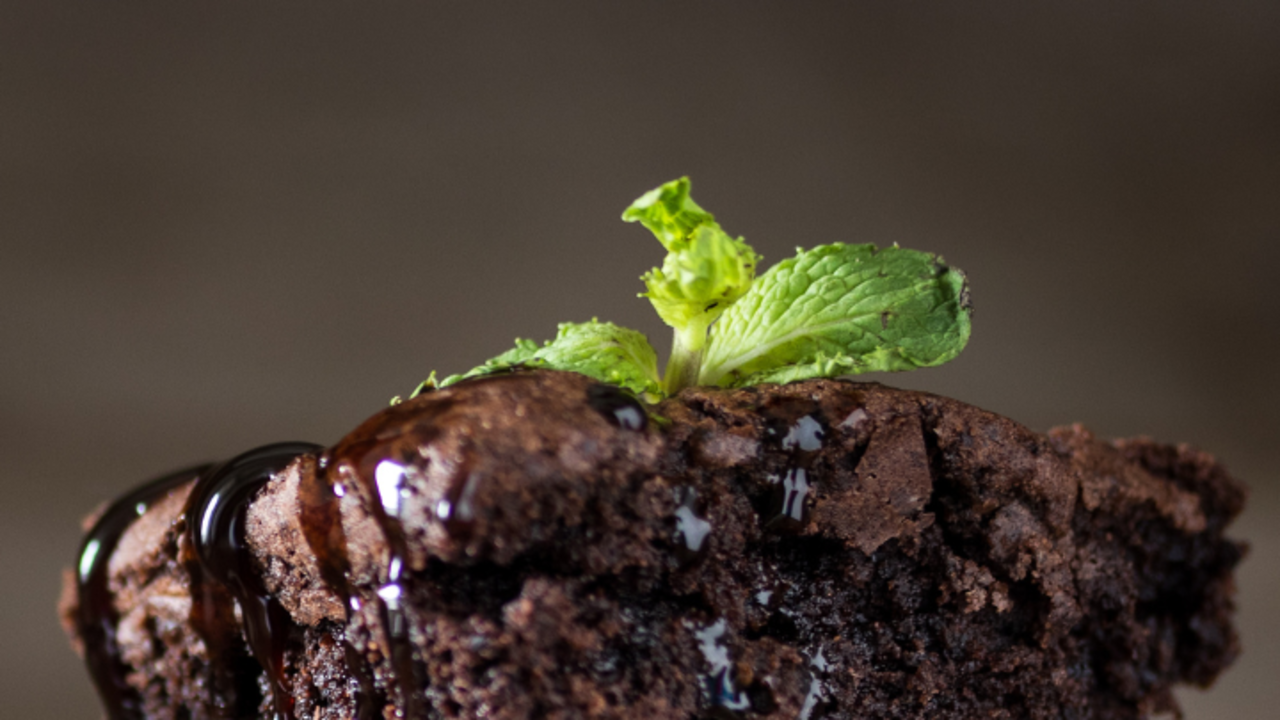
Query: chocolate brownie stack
[539, 545]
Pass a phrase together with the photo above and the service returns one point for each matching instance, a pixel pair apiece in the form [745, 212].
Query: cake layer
[537, 545]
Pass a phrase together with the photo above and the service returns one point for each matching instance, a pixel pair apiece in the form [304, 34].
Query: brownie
[538, 545]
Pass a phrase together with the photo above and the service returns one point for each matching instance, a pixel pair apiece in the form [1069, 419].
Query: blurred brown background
[221, 227]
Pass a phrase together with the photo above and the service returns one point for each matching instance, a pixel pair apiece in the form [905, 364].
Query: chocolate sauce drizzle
[221, 568]
[322, 525]
[372, 461]
[96, 617]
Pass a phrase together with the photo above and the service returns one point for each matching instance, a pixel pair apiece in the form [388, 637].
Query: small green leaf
[840, 309]
[705, 270]
[668, 212]
[604, 351]
[431, 383]
[697, 282]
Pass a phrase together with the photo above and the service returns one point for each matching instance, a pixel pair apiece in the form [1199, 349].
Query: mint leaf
[840, 309]
[668, 212]
[604, 351]
[522, 355]
[705, 271]
[697, 282]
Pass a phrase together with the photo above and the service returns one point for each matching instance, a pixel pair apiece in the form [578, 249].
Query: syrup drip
[456, 510]
[389, 479]
[801, 441]
[618, 406]
[96, 618]
[218, 560]
[367, 699]
[322, 525]
[374, 460]
[222, 567]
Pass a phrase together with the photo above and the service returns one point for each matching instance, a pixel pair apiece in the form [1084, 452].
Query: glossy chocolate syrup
[221, 569]
[618, 407]
[692, 528]
[96, 617]
[372, 462]
[456, 510]
[795, 429]
[322, 525]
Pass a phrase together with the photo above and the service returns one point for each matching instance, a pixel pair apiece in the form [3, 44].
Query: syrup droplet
[96, 617]
[457, 508]
[801, 439]
[792, 491]
[618, 407]
[692, 529]
[216, 516]
[805, 435]
[854, 419]
[725, 700]
[388, 476]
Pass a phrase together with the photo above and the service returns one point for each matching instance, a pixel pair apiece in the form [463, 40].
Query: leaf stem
[686, 357]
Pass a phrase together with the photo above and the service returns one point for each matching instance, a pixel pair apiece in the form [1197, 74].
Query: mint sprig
[833, 310]
[705, 272]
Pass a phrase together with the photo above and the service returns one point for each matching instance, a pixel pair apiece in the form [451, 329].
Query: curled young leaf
[669, 213]
[697, 282]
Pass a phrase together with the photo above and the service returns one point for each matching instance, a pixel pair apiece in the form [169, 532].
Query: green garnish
[834, 310]
[609, 353]
[839, 310]
[704, 272]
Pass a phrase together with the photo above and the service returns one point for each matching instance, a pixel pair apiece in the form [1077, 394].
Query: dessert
[562, 534]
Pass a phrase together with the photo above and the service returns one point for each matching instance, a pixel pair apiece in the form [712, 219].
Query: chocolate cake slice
[540, 545]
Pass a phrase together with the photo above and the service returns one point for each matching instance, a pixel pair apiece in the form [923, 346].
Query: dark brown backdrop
[222, 226]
